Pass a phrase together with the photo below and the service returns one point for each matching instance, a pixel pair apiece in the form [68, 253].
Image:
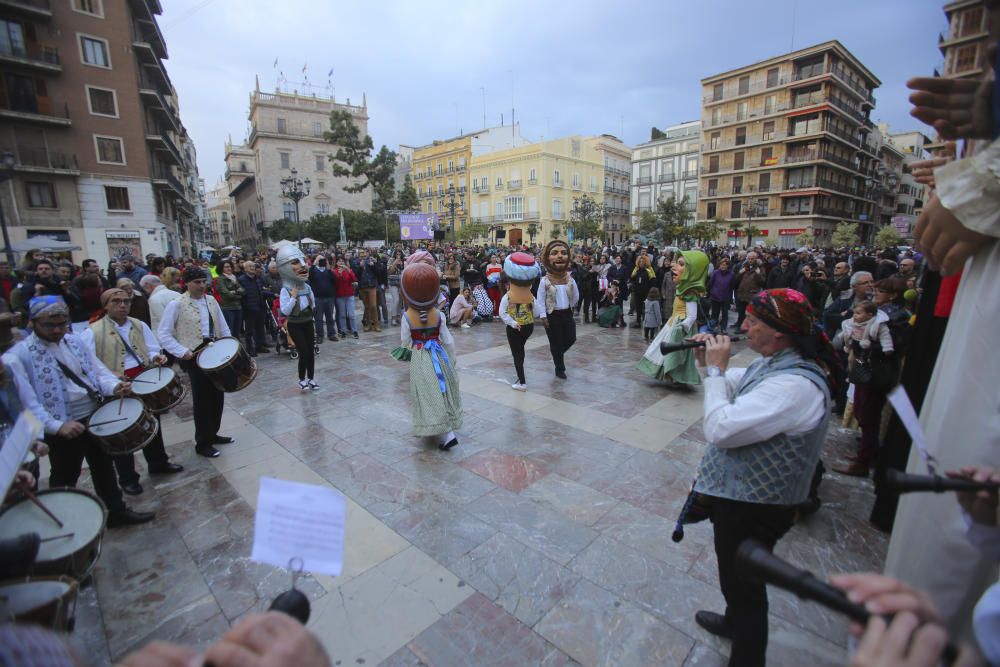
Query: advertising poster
[124, 243]
[417, 226]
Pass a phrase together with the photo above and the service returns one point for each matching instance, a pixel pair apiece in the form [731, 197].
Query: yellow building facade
[436, 168]
[526, 194]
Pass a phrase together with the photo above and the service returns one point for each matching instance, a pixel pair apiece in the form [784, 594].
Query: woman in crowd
[452, 272]
[720, 293]
[493, 272]
[346, 283]
[463, 309]
[642, 279]
[230, 297]
[171, 279]
[392, 297]
[590, 292]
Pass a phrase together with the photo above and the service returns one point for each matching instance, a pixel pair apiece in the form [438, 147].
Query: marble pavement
[543, 538]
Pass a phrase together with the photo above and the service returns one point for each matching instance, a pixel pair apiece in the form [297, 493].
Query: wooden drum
[159, 388]
[227, 364]
[47, 601]
[123, 426]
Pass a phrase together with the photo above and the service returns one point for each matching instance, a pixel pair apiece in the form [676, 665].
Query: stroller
[276, 324]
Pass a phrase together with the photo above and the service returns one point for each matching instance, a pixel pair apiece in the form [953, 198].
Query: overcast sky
[566, 67]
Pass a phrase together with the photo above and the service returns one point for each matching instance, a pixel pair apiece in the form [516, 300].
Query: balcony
[36, 57]
[418, 176]
[558, 215]
[41, 161]
[666, 178]
[754, 88]
[691, 173]
[146, 30]
[532, 181]
[41, 110]
[809, 100]
[556, 183]
[639, 210]
[461, 168]
[450, 170]
[616, 189]
[35, 8]
[857, 114]
[152, 97]
[159, 140]
[644, 180]
[482, 189]
[514, 184]
[162, 178]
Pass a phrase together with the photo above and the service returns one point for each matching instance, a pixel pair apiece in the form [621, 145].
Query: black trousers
[562, 334]
[590, 301]
[516, 339]
[746, 600]
[253, 326]
[156, 457]
[66, 456]
[304, 337]
[741, 312]
[208, 403]
[720, 313]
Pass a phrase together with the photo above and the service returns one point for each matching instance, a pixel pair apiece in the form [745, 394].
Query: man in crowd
[907, 269]
[127, 268]
[65, 385]
[783, 275]
[323, 285]
[368, 282]
[765, 426]
[189, 323]
[158, 296]
[8, 281]
[253, 309]
[127, 347]
[862, 288]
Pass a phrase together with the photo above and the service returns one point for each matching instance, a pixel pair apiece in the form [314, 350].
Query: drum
[227, 365]
[159, 388]
[123, 426]
[47, 601]
[83, 516]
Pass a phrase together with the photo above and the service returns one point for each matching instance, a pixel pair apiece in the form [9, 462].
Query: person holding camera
[750, 280]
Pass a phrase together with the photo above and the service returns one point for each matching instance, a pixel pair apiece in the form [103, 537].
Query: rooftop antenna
[794, 5]
[483, 91]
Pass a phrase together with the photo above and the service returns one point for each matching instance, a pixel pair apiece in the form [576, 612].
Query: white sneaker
[313, 385]
[466, 325]
[517, 386]
[303, 384]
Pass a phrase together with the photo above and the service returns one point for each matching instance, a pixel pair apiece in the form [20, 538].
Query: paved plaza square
[542, 539]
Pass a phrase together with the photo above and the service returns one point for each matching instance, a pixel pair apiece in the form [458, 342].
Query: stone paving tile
[434, 472]
[533, 524]
[513, 473]
[577, 502]
[594, 627]
[441, 529]
[518, 578]
[478, 632]
[376, 487]
[651, 534]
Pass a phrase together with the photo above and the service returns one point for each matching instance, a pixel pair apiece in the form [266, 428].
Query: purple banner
[416, 226]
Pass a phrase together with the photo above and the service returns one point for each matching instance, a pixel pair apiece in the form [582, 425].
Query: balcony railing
[844, 106]
[532, 181]
[37, 109]
[644, 180]
[40, 159]
[556, 183]
[691, 173]
[616, 189]
[48, 56]
[666, 178]
[514, 184]
[756, 87]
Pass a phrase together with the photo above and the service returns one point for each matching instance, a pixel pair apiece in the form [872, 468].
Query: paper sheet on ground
[296, 520]
[26, 430]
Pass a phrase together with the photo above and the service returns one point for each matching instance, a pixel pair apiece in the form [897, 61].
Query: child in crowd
[652, 318]
[857, 333]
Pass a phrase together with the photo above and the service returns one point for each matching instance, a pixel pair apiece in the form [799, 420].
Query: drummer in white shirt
[128, 347]
[189, 323]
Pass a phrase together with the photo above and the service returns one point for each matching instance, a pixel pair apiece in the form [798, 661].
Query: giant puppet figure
[298, 303]
[519, 309]
[426, 343]
[558, 296]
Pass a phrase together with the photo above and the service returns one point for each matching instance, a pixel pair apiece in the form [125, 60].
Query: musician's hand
[905, 643]
[923, 170]
[885, 596]
[159, 360]
[23, 480]
[188, 355]
[956, 108]
[70, 429]
[272, 639]
[945, 241]
[717, 351]
[699, 352]
[122, 389]
[980, 505]
[161, 654]
[40, 448]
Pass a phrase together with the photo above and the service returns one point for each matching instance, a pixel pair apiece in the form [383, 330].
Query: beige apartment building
[89, 118]
[286, 133]
[786, 146]
[666, 166]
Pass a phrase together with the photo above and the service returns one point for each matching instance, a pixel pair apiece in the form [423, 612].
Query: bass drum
[159, 388]
[227, 365]
[48, 601]
[123, 426]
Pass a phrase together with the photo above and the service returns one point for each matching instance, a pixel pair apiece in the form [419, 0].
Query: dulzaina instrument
[160, 389]
[227, 364]
[902, 482]
[667, 348]
[123, 426]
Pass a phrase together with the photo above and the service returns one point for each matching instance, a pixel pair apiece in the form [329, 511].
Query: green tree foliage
[845, 235]
[656, 133]
[751, 232]
[283, 229]
[407, 200]
[354, 160]
[707, 230]
[556, 231]
[806, 238]
[674, 217]
[650, 225]
[587, 218]
[471, 231]
[325, 228]
[887, 237]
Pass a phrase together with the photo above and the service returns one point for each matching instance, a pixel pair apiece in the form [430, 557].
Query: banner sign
[415, 226]
[743, 232]
[901, 223]
[790, 232]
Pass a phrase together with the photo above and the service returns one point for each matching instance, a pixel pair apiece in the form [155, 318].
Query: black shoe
[222, 440]
[561, 375]
[355, 334]
[165, 469]
[262, 350]
[129, 517]
[319, 339]
[445, 446]
[332, 339]
[208, 451]
[252, 354]
[133, 489]
[714, 623]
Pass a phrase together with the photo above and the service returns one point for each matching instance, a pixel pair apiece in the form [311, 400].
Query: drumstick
[56, 537]
[33, 498]
[110, 421]
[121, 404]
[145, 381]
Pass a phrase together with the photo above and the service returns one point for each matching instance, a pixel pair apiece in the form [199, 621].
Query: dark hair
[867, 306]
[88, 262]
[44, 261]
[895, 286]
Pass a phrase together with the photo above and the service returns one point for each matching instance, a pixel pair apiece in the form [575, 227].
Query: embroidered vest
[47, 379]
[109, 347]
[550, 294]
[521, 313]
[187, 331]
[777, 471]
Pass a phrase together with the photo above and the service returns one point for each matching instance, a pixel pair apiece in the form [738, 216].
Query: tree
[751, 232]
[674, 216]
[282, 229]
[471, 231]
[657, 133]
[650, 225]
[887, 237]
[556, 231]
[806, 238]
[587, 218]
[407, 200]
[325, 228]
[707, 230]
[845, 235]
[736, 228]
[355, 152]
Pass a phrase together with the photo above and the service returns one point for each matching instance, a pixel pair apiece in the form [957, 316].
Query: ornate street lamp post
[448, 203]
[7, 162]
[294, 188]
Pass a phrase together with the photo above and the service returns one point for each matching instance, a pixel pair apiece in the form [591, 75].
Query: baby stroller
[283, 340]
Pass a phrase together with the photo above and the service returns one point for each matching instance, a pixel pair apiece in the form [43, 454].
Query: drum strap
[75, 379]
[128, 348]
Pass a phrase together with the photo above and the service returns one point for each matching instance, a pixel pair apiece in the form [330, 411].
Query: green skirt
[433, 411]
[679, 367]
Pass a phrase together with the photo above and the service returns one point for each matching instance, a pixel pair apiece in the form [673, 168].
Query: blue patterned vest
[777, 471]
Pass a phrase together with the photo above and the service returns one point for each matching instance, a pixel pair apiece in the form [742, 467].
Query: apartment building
[218, 210]
[442, 166]
[286, 134]
[666, 166]
[963, 45]
[617, 158]
[91, 125]
[786, 145]
[526, 194]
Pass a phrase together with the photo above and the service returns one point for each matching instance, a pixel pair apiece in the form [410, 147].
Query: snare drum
[159, 388]
[227, 364]
[123, 426]
[47, 601]
[82, 514]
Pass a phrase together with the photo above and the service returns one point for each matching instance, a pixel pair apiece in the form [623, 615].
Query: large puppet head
[420, 284]
[555, 257]
[291, 266]
[520, 268]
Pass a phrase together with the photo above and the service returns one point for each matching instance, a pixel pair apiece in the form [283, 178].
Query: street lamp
[7, 162]
[448, 203]
[294, 188]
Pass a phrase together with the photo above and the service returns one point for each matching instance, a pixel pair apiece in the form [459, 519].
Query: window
[514, 207]
[12, 39]
[556, 209]
[711, 211]
[92, 7]
[225, 216]
[483, 184]
[116, 198]
[288, 211]
[741, 135]
[744, 85]
[320, 163]
[576, 181]
[593, 183]
[715, 140]
[94, 52]
[717, 92]
[532, 176]
[713, 164]
[764, 183]
[282, 126]
[737, 185]
[498, 210]
[285, 160]
[499, 182]
[109, 150]
[772, 77]
[716, 120]
[451, 166]
[807, 125]
[103, 102]
[800, 178]
[738, 159]
[556, 178]
[691, 167]
[770, 103]
[317, 129]
[322, 208]
[965, 58]
[741, 111]
[768, 132]
[321, 185]
[40, 195]
[735, 209]
[691, 195]
[533, 205]
[767, 156]
[972, 22]
[713, 187]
